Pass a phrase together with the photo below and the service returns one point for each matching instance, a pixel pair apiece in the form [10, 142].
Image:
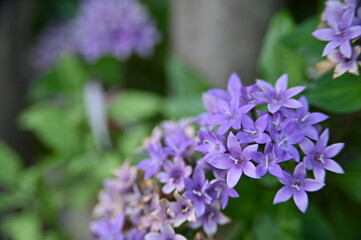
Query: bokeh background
[67, 118]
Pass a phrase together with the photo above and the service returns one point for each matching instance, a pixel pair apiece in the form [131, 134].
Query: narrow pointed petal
[265, 86]
[273, 107]
[263, 138]
[233, 145]
[261, 123]
[312, 185]
[257, 156]
[325, 34]
[261, 96]
[319, 173]
[233, 176]
[316, 117]
[329, 47]
[292, 103]
[198, 175]
[210, 227]
[234, 84]
[333, 166]
[276, 170]
[233, 193]
[322, 141]
[354, 32]
[334, 149]
[153, 236]
[346, 49]
[307, 146]
[283, 195]
[221, 161]
[247, 123]
[260, 171]
[250, 170]
[300, 171]
[281, 84]
[247, 151]
[301, 200]
[293, 91]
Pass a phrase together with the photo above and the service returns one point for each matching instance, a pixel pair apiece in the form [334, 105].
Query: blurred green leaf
[10, 164]
[132, 106]
[184, 81]
[275, 58]
[108, 69]
[68, 77]
[132, 138]
[57, 128]
[23, 226]
[180, 107]
[338, 95]
[317, 226]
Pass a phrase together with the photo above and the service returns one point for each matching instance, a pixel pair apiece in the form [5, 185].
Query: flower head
[296, 185]
[278, 96]
[166, 233]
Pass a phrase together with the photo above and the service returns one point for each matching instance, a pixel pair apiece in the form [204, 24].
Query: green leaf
[67, 78]
[132, 106]
[180, 107]
[57, 128]
[108, 69]
[10, 163]
[275, 58]
[132, 139]
[184, 81]
[23, 226]
[340, 95]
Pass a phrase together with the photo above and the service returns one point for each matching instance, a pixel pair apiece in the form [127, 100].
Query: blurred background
[82, 83]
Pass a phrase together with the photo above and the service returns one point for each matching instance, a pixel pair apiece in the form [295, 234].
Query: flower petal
[283, 195]
[234, 84]
[273, 107]
[319, 173]
[307, 146]
[324, 34]
[265, 86]
[233, 176]
[293, 91]
[281, 84]
[346, 49]
[292, 103]
[276, 170]
[221, 161]
[329, 47]
[250, 170]
[301, 200]
[260, 171]
[333, 166]
[333, 149]
[247, 151]
[300, 171]
[312, 185]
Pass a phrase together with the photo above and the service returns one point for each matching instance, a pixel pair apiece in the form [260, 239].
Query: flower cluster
[116, 28]
[189, 179]
[342, 26]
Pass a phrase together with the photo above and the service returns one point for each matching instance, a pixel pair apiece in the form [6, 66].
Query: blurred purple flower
[106, 228]
[319, 156]
[173, 175]
[183, 210]
[210, 144]
[345, 64]
[219, 190]
[153, 164]
[114, 27]
[196, 190]
[296, 185]
[166, 233]
[211, 217]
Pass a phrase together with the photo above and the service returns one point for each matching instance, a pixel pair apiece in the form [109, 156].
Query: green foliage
[10, 164]
[130, 106]
[339, 95]
[23, 226]
[276, 58]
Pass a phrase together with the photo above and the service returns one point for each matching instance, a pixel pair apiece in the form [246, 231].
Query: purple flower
[253, 131]
[135, 234]
[304, 119]
[288, 136]
[153, 164]
[196, 190]
[173, 175]
[296, 185]
[166, 233]
[211, 218]
[183, 210]
[345, 64]
[106, 228]
[237, 161]
[278, 96]
[269, 161]
[319, 156]
[114, 27]
[229, 111]
[340, 34]
[219, 190]
[210, 144]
